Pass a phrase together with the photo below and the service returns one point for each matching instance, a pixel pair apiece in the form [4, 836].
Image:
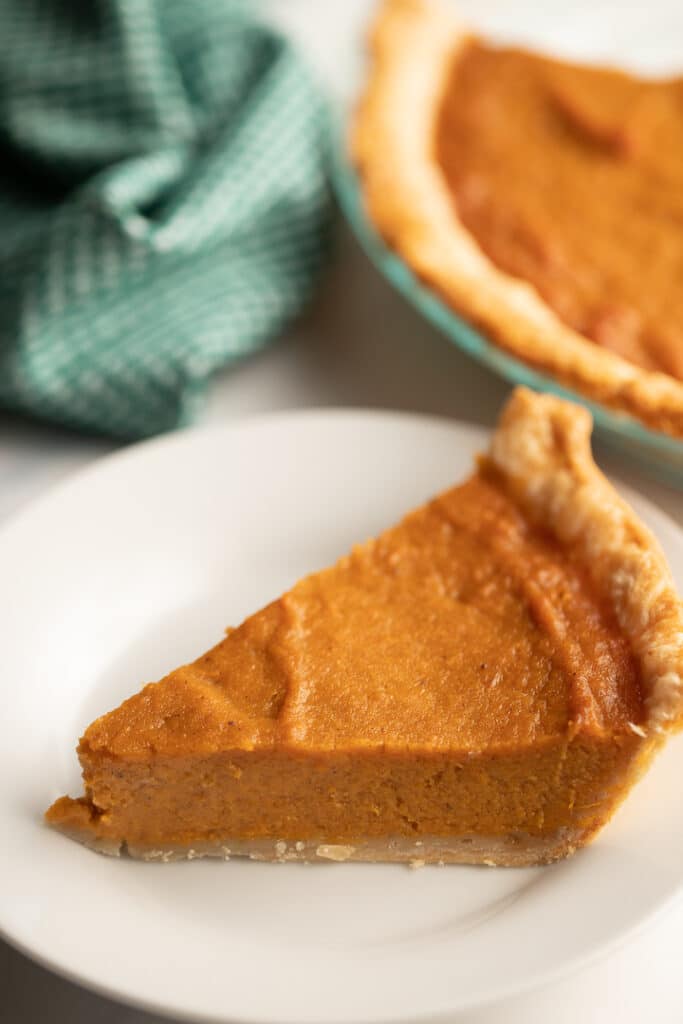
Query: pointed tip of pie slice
[78, 819]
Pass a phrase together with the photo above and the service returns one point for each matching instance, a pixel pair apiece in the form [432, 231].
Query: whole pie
[482, 683]
[542, 200]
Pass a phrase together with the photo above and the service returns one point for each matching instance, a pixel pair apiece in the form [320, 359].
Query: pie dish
[537, 199]
[482, 683]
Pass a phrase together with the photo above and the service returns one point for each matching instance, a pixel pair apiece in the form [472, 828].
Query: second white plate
[137, 565]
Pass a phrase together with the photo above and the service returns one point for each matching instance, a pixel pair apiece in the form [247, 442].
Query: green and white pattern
[163, 203]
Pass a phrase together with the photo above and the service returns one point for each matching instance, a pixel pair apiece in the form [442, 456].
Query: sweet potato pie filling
[353, 706]
[571, 178]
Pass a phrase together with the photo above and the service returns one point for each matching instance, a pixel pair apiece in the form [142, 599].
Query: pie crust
[492, 851]
[542, 446]
[413, 44]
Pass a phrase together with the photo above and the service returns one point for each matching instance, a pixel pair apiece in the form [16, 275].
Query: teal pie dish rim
[655, 453]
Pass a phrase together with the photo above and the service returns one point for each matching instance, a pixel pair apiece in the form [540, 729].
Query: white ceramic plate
[137, 565]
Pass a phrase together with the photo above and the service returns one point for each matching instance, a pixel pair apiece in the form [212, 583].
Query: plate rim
[20, 519]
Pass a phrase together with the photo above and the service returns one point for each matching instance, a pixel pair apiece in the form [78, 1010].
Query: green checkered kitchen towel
[163, 203]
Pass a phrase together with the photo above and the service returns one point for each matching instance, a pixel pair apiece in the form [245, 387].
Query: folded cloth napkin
[163, 203]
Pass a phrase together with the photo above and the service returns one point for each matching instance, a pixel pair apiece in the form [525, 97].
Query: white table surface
[361, 345]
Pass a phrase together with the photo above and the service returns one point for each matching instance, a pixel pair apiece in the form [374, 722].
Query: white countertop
[359, 345]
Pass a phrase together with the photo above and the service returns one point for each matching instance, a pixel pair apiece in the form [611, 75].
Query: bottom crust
[519, 850]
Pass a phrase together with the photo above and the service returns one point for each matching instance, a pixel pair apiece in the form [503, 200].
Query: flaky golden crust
[413, 45]
[542, 448]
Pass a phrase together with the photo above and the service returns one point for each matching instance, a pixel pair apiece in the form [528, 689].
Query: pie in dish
[481, 683]
[541, 200]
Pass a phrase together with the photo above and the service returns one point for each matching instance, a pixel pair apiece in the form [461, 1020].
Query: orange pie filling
[572, 179]
[458, 675]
